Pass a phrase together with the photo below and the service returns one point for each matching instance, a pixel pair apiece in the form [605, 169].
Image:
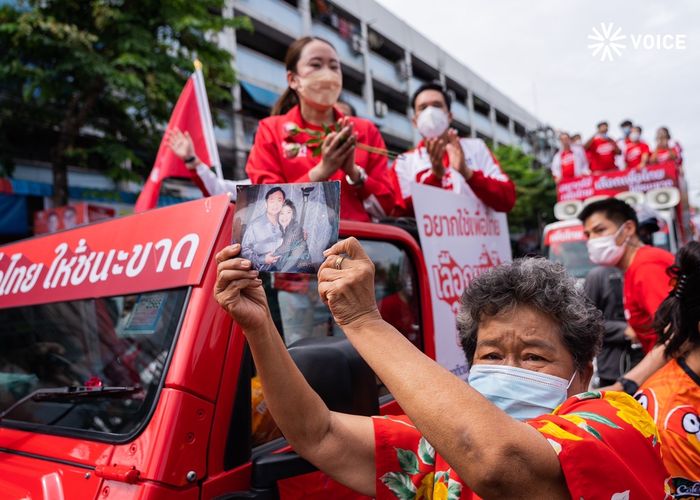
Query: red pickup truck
[120, 376]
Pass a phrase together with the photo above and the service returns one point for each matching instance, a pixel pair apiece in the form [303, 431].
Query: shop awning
[260, 95]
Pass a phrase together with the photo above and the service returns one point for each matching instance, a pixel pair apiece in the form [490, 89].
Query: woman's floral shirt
[606, 443]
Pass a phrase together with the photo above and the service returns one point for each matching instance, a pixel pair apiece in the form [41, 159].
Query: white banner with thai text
[460, 238]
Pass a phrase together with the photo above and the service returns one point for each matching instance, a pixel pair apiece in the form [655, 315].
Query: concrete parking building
[383, 60]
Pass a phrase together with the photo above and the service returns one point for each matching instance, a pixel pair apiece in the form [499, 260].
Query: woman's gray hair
[542, 285]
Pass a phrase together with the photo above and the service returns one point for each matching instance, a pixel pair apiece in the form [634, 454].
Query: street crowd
[526, 424]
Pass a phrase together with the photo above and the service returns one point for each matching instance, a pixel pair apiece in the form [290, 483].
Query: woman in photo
[293, 253]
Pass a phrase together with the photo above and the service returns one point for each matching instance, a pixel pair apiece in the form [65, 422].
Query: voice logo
[609, 42]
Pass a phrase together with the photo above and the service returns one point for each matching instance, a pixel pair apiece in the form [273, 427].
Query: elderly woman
[517, 430]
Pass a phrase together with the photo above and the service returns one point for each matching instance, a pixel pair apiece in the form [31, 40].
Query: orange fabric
[672, 398]
[606, 444]
[264, 427]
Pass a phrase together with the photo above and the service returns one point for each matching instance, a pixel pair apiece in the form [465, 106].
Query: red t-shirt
[664, 154]
[634, 152]
[646, 285]
[567, 164]
[270, 162]
[602, 155]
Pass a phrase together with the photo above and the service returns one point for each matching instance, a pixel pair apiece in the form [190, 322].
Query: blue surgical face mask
[522, 394]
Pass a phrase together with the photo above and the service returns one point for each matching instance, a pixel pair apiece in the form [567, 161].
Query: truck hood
[29, 478]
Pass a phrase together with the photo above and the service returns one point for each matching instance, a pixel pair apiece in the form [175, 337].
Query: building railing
[460, 112]
[357, 102]
[482, 124]
[261, 70]
[502, 135]
[280, 15]
[385, 71]
[344, 48]
[397, 125]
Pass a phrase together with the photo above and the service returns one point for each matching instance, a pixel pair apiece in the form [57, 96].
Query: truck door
[255, 446]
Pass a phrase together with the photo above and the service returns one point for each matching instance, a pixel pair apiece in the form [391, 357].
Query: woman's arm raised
[494, 454]
[340, 445]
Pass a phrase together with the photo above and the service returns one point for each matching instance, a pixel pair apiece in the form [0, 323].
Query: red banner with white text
[154, 250]
[611, 183]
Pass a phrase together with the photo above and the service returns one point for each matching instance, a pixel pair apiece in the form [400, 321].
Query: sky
[538, 54]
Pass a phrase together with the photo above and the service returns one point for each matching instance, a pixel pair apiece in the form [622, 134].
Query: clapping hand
[436, 152]
[182, 146]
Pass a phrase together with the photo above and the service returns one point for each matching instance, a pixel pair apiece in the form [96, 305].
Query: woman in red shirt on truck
[280, 154]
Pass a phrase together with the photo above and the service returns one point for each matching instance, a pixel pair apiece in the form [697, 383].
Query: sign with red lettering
[460, 238]
[564, 235]
[154, 250]
[612, 183]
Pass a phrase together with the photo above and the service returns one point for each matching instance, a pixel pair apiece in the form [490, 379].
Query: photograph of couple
[285, 228]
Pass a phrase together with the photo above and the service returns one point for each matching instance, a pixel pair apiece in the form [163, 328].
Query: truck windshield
[121, 341]
[573, 255]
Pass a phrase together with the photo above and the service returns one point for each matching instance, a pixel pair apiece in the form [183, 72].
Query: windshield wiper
[72, 392]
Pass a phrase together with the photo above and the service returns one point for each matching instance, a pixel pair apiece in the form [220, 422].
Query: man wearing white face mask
[610, 226]
[445, 160]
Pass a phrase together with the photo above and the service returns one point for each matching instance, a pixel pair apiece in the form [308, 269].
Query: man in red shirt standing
[443, 159]
[568, 162]
[610, 225]
[636, 151]
[601, 150]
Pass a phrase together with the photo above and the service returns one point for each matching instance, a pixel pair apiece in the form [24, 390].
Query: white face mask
[522, 394]
[604, 251]
[432, 122]
[634, 136]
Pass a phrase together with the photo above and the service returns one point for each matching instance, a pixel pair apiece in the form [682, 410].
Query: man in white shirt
[569, 161]
[445, 160]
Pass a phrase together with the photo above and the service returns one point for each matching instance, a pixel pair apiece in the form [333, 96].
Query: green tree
[92, 82]
[535, 190]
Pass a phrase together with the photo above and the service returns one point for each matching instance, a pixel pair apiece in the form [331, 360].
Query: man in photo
[70, 218]
[263, 235]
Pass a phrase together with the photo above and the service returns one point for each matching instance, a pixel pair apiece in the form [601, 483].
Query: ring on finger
[339, 262]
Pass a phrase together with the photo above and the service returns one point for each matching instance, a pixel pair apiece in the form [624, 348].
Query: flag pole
[205, 114]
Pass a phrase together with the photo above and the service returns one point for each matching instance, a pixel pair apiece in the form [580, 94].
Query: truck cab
[121, 377]
[657, 192]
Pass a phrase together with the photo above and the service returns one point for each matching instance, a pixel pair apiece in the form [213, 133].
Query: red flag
[191, 114]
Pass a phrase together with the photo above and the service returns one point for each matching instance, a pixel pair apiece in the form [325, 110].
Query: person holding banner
[443, 159]
[523, 427]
